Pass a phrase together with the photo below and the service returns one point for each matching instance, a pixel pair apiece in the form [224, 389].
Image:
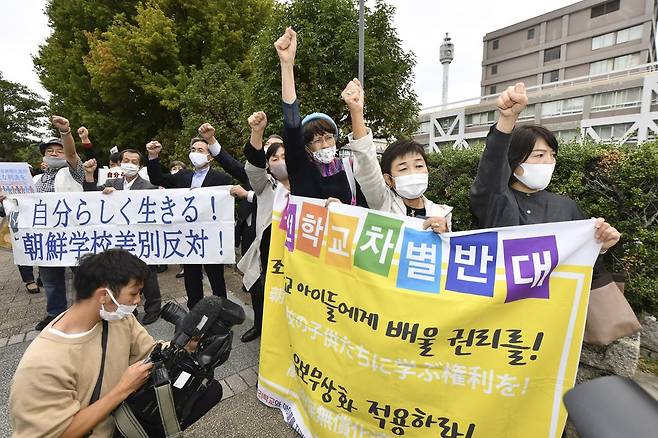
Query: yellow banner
[374, 327]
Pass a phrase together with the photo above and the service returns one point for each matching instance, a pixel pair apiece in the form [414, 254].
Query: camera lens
[173, 313]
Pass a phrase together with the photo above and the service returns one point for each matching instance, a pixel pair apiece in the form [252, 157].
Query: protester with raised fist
[203, 151]
[397, 186]
[313, 167]
[64, 173]
[514, 172]
[266, 171]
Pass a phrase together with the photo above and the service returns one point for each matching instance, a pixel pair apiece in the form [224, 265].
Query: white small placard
[182, 379]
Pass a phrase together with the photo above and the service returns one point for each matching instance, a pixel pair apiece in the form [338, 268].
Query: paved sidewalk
[240, 414]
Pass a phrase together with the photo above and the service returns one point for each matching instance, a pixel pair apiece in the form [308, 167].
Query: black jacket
[183, 178]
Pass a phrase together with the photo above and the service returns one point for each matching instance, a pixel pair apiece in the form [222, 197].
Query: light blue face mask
[121, 312]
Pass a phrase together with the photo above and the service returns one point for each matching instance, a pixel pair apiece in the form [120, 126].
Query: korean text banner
[374, 327]
[158, 226]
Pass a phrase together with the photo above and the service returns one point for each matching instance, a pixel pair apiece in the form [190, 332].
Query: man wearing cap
[203, 151]
[64, 173]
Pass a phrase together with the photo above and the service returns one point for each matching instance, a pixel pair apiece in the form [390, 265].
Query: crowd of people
[510, 189]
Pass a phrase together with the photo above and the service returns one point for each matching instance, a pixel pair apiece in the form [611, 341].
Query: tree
[327, 58]
[121, 67]
[216, 94]
[22, 121]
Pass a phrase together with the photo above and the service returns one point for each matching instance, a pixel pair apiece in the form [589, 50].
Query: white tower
[446, 55]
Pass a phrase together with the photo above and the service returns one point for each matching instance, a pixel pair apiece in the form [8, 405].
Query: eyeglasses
[327, 138]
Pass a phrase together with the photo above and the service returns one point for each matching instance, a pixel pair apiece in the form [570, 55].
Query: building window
[552, 54]
[568, 135]
[604, 8]
[562, 107]
[424, 127]
[492, 89]
[495, 44]
[601, 41]
[528, 113]
[631, 97]
[618, 63]
[612, 38]
[550, 76]
[630, 34]
[531, 33]
[481, 119]
[609, 133]
[627, 61]
[494, 69]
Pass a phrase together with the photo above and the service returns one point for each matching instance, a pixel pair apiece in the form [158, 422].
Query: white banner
[15, 178]
[180, 226]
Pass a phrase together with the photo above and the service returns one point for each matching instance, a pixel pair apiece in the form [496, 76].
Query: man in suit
[130, 161]
[203, 151]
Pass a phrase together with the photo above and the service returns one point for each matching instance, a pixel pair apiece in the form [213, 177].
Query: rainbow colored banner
[374, 327]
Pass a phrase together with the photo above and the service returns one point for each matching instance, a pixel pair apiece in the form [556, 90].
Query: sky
[421, 25]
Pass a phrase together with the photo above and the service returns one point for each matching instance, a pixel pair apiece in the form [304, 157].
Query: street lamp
[361, 39]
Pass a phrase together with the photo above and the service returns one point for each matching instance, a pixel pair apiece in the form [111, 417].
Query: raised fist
[286, 46]
[257, 121]
[207, 132]
[238, 192]
[153, 148]
[61, 124]
[90, 165]
[353, 95]
[512, 101]
[83, 133]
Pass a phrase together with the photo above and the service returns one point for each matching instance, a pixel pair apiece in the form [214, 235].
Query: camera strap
[167, 410]
[99, 382]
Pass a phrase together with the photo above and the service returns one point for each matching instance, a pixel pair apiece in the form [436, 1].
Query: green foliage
[123, 67]
[215, 95]
[617, 183]
[327, 58]
[22, 117]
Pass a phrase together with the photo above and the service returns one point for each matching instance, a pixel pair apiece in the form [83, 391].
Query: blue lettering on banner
[472, 264]
[420, 261]
[189, 206]
[39, 219]
[82, 213]
[167, 209]
[146, 210]
[62, 210]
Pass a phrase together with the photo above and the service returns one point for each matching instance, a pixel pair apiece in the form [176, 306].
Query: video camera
[181, 388]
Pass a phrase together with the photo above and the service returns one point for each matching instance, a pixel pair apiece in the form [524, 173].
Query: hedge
[619, 183]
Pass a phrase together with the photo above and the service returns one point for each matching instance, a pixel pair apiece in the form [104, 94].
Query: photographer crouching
[92, 357]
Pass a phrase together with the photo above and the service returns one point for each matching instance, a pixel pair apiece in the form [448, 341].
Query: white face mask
[198, 159]
[279, 170]
[121, 312]
[536, 176]
[411, 186]
[325, 155]
[129, 169]
[55, 163]
[174, 171]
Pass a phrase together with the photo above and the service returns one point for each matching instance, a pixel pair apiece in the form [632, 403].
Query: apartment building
[590, 69]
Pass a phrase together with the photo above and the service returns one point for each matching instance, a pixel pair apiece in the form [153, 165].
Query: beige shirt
[56, 376]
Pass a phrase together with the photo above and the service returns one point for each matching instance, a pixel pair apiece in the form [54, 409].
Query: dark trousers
[54, 282]
[27, 273]
[151, 292]
[194, 282]
[257, 292]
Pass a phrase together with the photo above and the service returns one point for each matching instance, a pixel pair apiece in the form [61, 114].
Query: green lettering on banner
[377, 243]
